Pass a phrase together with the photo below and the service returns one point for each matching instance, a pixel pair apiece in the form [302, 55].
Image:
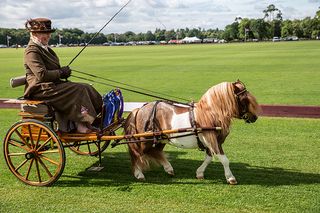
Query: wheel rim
[88, 147]
[34, 153]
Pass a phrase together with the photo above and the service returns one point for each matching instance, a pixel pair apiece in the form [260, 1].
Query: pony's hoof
[200, 177]
[140, 176]
[171, 173]
[232, 181]
[142, 179]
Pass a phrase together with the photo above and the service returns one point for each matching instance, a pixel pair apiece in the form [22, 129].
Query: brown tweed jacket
[66, 97]
[42, 68]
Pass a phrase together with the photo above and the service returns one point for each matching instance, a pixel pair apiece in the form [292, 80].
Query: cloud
[143, 15]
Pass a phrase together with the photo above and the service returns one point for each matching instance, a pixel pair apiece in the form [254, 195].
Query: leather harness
[153, 124]
[194, 126]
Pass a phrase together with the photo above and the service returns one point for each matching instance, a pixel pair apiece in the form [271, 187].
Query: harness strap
[194, 126]
[152, 122]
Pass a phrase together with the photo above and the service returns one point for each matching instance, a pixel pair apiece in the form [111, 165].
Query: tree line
[242, 29]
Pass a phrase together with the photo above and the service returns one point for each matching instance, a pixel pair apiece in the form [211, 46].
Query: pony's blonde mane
[217, 107]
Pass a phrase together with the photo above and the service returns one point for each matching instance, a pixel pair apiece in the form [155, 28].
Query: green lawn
[277, 73]
[276, 162]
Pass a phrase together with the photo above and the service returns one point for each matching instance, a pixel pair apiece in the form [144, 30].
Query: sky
[144, 15]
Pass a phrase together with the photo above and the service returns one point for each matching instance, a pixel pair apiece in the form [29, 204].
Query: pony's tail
[138, 159]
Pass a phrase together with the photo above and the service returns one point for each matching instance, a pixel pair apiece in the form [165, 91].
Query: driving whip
[95, 35]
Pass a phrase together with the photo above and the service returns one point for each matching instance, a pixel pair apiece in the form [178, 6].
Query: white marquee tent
[191, 40]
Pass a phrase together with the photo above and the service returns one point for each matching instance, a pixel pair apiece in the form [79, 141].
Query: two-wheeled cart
[34, 148]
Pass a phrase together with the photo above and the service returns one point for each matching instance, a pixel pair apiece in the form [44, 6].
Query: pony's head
[248, 106]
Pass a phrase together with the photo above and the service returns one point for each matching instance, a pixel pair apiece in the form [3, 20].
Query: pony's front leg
[202, 168]
[229, 176]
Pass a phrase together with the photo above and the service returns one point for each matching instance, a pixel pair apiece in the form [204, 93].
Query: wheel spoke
[45, 167]
[24, 162]
[29, 168]
[89, 149]
[48, 152]
[14, 143]
[50, 160]
[42, 145]
[38, 170]
[30, 135]
[23, 140]
[16, 154]
[17, 141]
[38, 138]
[97, 145]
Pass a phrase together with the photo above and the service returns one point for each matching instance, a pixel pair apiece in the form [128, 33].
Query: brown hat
[41, 25]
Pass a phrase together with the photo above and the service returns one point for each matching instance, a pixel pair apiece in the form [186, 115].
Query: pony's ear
[240, 82]
[237, 82]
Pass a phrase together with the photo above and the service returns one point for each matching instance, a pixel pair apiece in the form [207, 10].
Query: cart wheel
[89, 147]
[34, 153]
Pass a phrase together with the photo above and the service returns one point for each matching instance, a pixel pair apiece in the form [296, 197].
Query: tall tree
[231, 31]
[169, 35]
[274, 16]
[306, 25]
[160, 35]
[149, 36]
[287, 28]
[272, 13]
[244, 28]
[260, 28]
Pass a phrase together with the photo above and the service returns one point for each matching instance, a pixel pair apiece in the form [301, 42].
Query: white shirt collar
[36, 41]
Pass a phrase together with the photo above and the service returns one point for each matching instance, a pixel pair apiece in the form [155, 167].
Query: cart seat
[39, 108]
[32, 108]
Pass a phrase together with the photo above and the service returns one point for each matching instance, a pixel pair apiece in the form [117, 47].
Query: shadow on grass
[117, 172]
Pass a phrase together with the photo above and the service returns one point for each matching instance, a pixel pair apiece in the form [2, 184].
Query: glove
[65, 72]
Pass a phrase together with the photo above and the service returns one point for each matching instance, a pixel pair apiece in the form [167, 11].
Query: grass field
[275, 160]
[277, 73]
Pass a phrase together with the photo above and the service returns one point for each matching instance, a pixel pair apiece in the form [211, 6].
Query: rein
[131, 90]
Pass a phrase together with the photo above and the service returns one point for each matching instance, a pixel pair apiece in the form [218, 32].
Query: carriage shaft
[92, 136]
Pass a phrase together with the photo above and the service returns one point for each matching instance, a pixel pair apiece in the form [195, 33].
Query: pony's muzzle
[249, 118]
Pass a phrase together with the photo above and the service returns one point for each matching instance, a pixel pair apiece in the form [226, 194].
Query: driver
[77, 102]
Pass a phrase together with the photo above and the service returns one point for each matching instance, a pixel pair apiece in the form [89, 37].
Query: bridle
[241, 95]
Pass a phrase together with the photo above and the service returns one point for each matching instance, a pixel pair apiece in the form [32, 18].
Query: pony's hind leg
[137, 161]
[161, 158]
[229, 176]
[202, 168]
[167, 167]
[137, 172]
